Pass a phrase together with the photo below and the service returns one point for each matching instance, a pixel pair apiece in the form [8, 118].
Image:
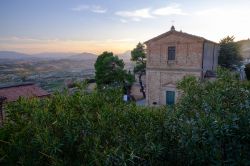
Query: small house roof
[173, 31]
[27, 90]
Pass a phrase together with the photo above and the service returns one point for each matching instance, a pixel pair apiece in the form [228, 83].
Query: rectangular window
[170, 97]
[171, 53]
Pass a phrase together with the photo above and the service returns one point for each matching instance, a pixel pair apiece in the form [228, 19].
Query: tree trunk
[1, 109]
[142, 87]
[1, 113]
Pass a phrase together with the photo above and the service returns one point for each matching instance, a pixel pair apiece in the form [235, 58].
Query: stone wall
[158, 82]
[162, 75]
[188, 53]
[135, 91]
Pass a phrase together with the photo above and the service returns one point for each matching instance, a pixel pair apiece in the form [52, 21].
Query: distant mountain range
[84, 55]
[53, 55]
[126, 56]
[46, 55]
[12, 55]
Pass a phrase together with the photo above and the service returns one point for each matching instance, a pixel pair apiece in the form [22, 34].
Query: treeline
[209, 126]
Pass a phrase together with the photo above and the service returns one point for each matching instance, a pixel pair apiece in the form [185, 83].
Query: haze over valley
[55, 42]
[52, 71]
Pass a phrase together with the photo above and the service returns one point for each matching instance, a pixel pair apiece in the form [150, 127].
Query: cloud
[173, 9]
[98, 9]
[92, 8]
[227, 12]
[80, 8]
[40, 40]
[25, 39]
[120, 40]
[135, 15]
[210, 12]
[123, 20]
[146, 13]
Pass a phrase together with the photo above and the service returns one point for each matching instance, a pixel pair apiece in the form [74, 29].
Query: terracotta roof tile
[12, 93]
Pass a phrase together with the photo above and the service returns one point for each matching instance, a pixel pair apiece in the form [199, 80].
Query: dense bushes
[247, 71]
[216, 116]
[210, 125]
[96, 129]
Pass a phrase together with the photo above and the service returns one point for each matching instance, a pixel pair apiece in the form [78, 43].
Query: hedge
[209, 126]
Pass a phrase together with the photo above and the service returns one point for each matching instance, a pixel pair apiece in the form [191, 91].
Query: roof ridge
[178, 32]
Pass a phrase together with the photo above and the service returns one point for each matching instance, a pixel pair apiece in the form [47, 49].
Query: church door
[170, 97]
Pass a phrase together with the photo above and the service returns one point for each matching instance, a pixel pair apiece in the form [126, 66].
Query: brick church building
[172, 56]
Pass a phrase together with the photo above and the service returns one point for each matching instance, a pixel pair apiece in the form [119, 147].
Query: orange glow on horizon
[96, 47]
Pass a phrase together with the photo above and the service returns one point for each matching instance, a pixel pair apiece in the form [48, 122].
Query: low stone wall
[135, 91]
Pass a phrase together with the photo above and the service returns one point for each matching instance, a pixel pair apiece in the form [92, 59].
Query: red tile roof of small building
[28, 90]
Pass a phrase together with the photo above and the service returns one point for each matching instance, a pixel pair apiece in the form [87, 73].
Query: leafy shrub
[216, 120]
[95, 129]
[229, 53]
[247, 71]
[210, 125]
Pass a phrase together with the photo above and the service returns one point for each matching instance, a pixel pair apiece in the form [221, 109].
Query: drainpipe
[203, 52]
[213, 57]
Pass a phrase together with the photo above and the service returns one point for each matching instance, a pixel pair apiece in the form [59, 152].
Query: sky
[34, 26]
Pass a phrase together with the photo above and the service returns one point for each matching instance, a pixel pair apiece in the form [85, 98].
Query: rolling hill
[83, 56]
[126, 56]
[13, 55]
[53, 55]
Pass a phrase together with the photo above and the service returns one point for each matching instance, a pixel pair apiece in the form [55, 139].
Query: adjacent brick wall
[210, 56]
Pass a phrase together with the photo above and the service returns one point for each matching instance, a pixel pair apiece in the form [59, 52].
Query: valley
[52, 73]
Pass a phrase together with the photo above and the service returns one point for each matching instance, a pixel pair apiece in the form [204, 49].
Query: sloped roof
[28, 90]
[173, 31]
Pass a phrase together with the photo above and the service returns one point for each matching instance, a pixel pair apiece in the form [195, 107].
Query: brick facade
[193, 56]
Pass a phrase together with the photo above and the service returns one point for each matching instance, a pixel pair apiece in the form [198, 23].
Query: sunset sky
[33, 26]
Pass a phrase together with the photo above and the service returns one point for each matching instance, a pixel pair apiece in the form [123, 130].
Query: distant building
[172, 56]
[14, 92]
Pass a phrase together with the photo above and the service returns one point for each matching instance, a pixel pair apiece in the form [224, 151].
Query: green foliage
[229, 54]
[110, 71]
[209, 126]
[216, 115]
[138, 55]
[247, 71]
[89, 129]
